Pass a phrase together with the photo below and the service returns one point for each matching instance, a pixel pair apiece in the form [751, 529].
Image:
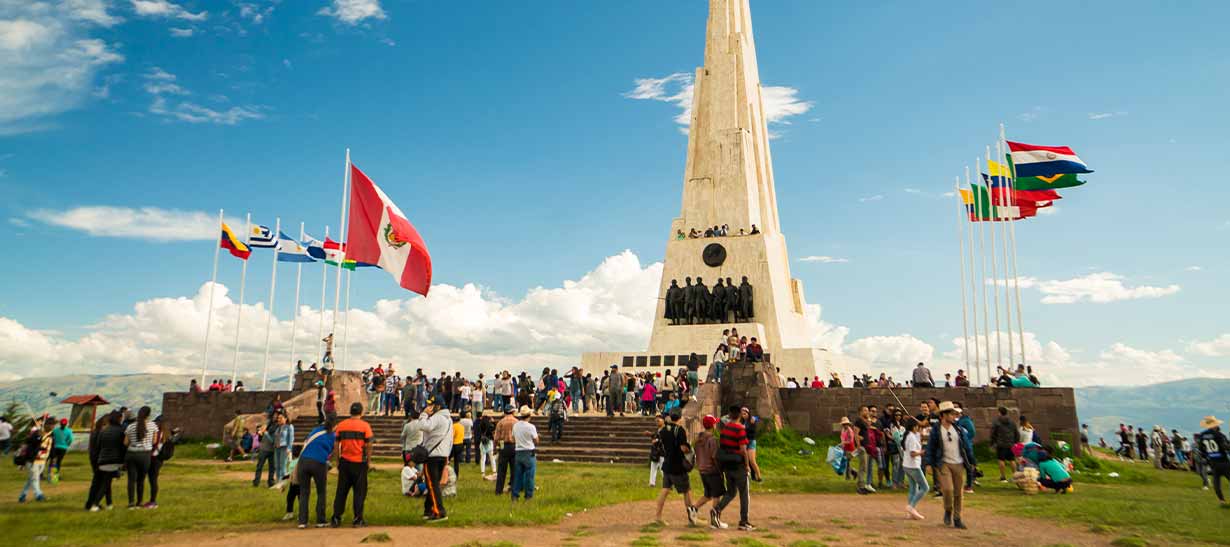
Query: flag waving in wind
[1032, 160]
[261, 237]
[290, 250]
[233, 244]
[380, 234]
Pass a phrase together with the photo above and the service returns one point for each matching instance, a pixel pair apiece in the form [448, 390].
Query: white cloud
[900, 352]
[865, 199]
[824, 259]
[1193, 268]
[49, 60]
[913, 191]
[19, 222]
[254, 13]
[780, 103]
[1105, 115]
[166, 9]
[160, 84]
[388, 42]
[181, 32]
[150, 223]
[1217, 347]
[353, 12]
[1032, 114]
[1099, 288]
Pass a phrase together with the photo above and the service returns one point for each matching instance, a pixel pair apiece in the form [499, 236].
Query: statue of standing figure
[672, 312]
[703, 301]
[732, 301]
[717, 312]
[745, 299]
[689, 300]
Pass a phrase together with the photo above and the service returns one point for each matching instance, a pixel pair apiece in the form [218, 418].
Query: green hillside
[131, 390]
[1173, 405]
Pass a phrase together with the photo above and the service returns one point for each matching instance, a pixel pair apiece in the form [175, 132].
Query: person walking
[557, 413]
[232, 435]
[705, 448]
[313, 467]
[673, 440]
[732, 455]
[484, 431]
[264, 456]
[36, 451]
[525, 435]
[948, 452]
[1213, 447]
[61, 441]
[911, 464]
[438, 440]
[1003, 436]
[106, 459]
[139, 438]
[967, 424]
[508, 449]
[615, 392]
[354, 451]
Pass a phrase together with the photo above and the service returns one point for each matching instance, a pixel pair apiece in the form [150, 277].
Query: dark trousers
[557, 428]
[458, 451]
[468, 443]
[433, 502]
[503, 466]
[292, 494]
[310, 471]
[1055, 485]
[350, 475]
[736, 485]
[100, 487]
[261, 459]
[138, 465]
[1218, 470]
[155, 467]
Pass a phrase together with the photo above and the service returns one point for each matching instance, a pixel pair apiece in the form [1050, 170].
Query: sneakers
[969, 490]
[747, 527]
[301, 526]
[437, 519]
[322, 524]
[1003, 479]
[40, 497]
[359, 523]
[95, 509]
[714, 521]
[870, 489]
[150, 505]
[289, 516]
[691, 516]
[335, 522]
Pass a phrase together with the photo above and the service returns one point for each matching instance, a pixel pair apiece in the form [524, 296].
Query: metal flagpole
[999, 340]
[341, 232]
[273, 283]
[982, 252]
[346, 325]
[294, 323]
[209, 315]
[243, 280]
[1011, 201]
[973, 289]
[961, 246]
[1016, 280]
[324, 281]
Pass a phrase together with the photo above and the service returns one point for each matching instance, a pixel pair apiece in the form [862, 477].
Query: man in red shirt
[354, 450]
[732, 457]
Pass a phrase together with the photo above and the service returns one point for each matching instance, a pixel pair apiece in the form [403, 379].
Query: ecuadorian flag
[233, 245]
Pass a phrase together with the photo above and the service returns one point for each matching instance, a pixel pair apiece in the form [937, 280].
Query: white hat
[525, 411]
[947, 406]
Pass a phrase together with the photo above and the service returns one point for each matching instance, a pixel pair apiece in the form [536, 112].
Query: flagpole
[273, 283]
[324, 281]
[209, 315]
[346, 325]
[982, 252]
[999, 339]
[341, 232]
[1003, 226]
[1016, 280]
[973, 289]
[243, 280]
[294, 322]
[961, 247]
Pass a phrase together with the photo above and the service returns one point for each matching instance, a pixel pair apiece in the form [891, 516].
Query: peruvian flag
[380, 234]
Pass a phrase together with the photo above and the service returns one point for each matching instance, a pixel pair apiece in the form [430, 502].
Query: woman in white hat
[1215, 449]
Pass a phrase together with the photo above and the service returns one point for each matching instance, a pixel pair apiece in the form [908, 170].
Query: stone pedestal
[755, 386]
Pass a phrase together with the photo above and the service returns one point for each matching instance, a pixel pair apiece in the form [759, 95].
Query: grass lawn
[200, 495]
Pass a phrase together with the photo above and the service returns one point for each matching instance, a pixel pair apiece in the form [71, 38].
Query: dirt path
[832, 519]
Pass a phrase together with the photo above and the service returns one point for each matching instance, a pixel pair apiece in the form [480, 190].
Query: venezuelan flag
[233, 245]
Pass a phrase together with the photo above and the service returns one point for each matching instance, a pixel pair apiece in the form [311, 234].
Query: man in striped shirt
[733, 459]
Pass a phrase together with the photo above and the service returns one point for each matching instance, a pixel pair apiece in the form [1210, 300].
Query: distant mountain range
[1173, 405]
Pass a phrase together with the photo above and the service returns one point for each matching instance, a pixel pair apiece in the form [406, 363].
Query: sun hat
[1209, 422]
[845, 420]
[525, 411]
[947, 406]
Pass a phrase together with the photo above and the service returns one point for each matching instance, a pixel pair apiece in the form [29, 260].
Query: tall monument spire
[728, 181]
[729, 174]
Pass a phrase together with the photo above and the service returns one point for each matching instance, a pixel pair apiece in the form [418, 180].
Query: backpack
[28, 451]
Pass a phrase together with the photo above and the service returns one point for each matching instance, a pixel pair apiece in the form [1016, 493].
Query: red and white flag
[380, 234]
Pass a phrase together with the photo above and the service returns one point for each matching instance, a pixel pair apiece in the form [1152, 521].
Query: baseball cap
[708, 421]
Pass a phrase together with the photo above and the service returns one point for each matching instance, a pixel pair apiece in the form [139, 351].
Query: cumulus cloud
[167, 10]
[49, 60]
[1217, 347]
[150, 223]
[780, 103]
[162, 86]
[897, 352]
[353, 12]
[824, 259]
[181, 32]
[1099, 288]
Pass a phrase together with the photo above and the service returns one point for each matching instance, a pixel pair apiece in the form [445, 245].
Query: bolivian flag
[233, 245]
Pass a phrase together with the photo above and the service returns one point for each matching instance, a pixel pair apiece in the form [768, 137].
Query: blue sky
[507, 135]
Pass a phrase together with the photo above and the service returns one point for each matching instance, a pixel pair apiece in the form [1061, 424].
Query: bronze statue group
[697, 304]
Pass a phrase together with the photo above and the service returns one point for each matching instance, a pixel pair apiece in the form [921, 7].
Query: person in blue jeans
[911, 465]
[525, 436]
[283, 440]
[265, 456]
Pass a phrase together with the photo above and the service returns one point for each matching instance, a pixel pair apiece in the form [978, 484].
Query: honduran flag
[233, 244]
[380, 234]
[1032, 160]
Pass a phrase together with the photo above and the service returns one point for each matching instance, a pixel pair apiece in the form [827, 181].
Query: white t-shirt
[465, 392]
[409, 476]
[6, 431]
[143, 445]
[951, 442]
[524, 434]
[912, 444]
[1025, 435]
[468, 426]
[477, 397]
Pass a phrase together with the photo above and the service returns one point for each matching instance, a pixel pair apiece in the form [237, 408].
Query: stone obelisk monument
[728, 181]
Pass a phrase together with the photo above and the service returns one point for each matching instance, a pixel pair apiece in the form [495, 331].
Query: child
[448, 482]
[849, 444]
[412, 483]
[911, 464]
[292, 493]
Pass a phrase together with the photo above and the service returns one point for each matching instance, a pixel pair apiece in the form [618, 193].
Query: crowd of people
[1204, 452]
[716, 231]
[1022, 376]
[217, 385]
[120, 443]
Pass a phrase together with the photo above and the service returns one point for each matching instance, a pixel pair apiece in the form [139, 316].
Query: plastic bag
[835, 453]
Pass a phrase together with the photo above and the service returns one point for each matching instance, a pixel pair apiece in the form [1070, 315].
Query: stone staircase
[593, 439]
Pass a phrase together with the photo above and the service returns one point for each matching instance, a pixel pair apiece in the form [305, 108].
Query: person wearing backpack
[558, 413]
[33, 457]
[673, 440]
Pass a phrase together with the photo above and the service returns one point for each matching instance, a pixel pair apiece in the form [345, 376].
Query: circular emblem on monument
[714, 255]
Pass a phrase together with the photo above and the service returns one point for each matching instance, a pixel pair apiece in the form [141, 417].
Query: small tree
[18, 414]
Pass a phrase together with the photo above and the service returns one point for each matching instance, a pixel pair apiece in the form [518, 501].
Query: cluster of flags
[1024, 183]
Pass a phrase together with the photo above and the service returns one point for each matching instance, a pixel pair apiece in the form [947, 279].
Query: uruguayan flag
[261, 237]
[290, 250]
